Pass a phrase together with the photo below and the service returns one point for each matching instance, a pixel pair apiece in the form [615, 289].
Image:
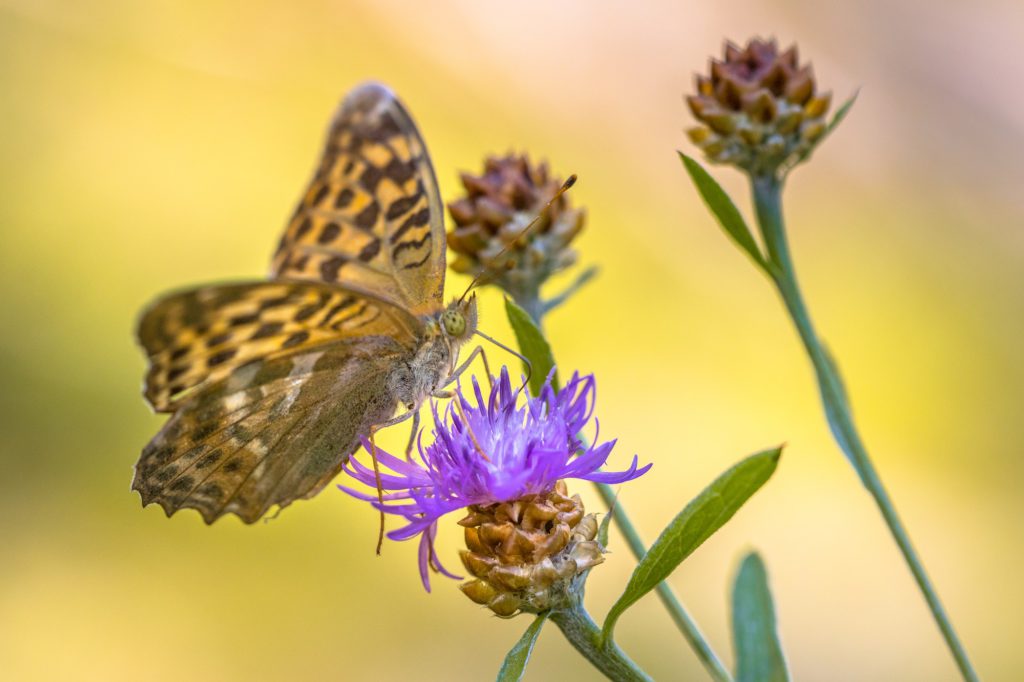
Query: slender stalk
[682, 619]
[675, 609]
[583, 633]
[527, 297]
[768, 204]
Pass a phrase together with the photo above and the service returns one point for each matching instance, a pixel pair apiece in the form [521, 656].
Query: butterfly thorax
[424, 373]
[434, 359]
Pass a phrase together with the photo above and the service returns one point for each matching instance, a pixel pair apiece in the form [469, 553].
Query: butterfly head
[459, 319]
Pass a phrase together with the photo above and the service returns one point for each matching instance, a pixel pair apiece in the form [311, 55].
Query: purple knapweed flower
[489, 453]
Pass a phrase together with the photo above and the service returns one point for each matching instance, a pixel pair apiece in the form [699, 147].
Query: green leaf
[759, 655]
[837, 405]
[724, 210]
[570, 291]
[708, 512]
[841, 112]
[514, 666]
[837, 410]
[834, 368]
[533, 345]
[837, 118]
[602, 530]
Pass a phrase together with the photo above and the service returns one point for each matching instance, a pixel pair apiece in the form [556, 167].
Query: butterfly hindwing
[371, 218]
[272, 432]
[197, 337]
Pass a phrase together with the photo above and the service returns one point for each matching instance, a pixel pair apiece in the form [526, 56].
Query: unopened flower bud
[759, 109]
[489, 236]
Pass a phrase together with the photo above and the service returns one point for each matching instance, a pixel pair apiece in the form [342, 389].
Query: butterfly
[271, 384]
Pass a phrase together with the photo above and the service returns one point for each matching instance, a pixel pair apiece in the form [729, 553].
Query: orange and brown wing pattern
[272, 432]
[372, 218]
[199, 337]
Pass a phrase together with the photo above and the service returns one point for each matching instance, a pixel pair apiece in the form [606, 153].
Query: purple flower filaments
[491, 452]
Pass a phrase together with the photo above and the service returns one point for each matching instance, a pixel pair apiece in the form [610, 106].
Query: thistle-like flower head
[503, 460]
[489, 221]
[759, 109]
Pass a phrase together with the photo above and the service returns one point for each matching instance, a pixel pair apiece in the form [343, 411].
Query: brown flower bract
[527, 555]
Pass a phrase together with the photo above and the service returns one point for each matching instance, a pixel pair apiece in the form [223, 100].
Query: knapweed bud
[531, 554]
[488, 238]
[759, 109]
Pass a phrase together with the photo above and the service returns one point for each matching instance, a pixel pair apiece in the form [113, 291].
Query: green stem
[675, 609]
[583, 633]
[768, 204]
[527, 297]
[682, 619]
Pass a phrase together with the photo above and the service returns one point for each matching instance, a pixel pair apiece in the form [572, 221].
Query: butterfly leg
[412, 434]
[526, 362]
[487, 368]
[479, 350]
[380, 491]
[376, 468]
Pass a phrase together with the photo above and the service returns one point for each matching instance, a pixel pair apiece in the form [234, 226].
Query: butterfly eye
[454, 323]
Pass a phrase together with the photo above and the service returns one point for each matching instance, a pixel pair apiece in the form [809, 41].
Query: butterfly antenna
[569, 182]
[499, 344]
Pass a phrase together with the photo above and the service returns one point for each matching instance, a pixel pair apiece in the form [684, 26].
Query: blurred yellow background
[147, 146]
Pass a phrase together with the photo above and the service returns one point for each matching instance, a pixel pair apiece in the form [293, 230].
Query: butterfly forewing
[371, 218]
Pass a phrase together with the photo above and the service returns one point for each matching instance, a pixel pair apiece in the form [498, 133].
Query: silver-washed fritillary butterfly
[270, 384]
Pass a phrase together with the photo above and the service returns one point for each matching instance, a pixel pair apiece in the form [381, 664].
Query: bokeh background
[151, 145]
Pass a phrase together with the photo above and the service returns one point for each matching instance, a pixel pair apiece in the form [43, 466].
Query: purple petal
[591, 460]
[424, 556]
[372, 497]
[435, 562]
[618, 476]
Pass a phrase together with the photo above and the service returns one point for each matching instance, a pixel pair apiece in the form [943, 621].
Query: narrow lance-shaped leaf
[570, 291]
[759, 656]
[841, 112]
[533, 345]
[514, 666]
[708, 512]
[606, 522]
[837, 408]
[834, 368]
[724, 209]
[837, 118]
